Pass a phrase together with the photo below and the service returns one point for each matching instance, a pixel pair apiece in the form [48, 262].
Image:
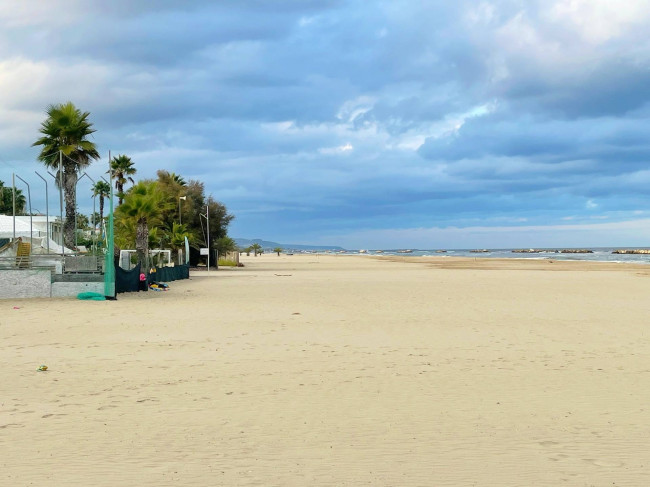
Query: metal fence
[30, 262]
[83, 264]
[70, 264]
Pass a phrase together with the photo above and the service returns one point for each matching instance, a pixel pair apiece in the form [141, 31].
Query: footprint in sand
[558, 457]
[603, 463]
[548, 443]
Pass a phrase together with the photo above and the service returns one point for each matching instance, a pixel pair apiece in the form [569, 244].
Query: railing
[27, 262]
[83, 264]
[70, 264]
[14, 262]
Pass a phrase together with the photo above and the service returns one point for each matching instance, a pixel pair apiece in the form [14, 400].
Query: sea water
[599, 254]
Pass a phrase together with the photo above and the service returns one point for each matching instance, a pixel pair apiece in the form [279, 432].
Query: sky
[363, 124]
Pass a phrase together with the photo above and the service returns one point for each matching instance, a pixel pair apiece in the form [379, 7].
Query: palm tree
[64, 139]
[256, 248]
[174, 187]
[143, 205]
[103, 190]
[278, 250]
[225, 245]
[176, 236]
[125, 230]
[6, 200]
[122, 169]
[178, 179]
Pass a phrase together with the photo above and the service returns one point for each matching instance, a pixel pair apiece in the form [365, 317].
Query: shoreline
[517, 263]
[595, 255]
[454, 262]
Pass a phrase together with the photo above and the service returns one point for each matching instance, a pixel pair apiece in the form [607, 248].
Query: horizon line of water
[600, 254]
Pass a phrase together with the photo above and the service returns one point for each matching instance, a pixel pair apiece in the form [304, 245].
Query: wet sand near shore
[521, 264]
[328, 370]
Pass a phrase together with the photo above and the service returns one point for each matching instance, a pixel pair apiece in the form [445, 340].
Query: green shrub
[227, 262]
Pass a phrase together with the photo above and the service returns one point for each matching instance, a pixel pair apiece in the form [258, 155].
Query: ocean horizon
[596, 254]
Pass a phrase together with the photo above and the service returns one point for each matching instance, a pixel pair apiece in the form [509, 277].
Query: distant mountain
[266, 244]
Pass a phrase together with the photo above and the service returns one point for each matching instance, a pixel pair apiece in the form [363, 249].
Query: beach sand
[325, 370]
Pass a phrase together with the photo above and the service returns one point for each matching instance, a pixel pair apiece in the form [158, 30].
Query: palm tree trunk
[69, 186]
[101, 216]
[120, 192]
[142, 243]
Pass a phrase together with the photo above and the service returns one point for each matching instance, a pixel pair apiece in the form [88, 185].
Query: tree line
[151, 213]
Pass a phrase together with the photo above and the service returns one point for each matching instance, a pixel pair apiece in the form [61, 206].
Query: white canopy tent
[38, 237]
[22, 228]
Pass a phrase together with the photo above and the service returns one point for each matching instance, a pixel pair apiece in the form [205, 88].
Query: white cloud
[599, 21]
[342, 149]
[352, 109]
[25, 13]
[305, 21]
[36, 84]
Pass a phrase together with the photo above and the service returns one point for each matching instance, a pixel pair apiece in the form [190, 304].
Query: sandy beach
[325, 370]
